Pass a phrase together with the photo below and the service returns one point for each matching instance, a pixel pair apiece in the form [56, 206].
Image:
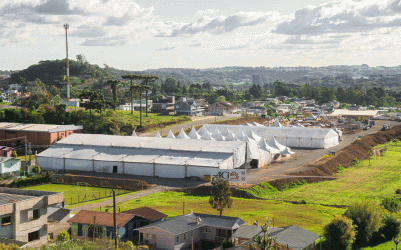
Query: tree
[220, 197]
[220, 99]
[114, 86]
[147, 79]
[340, 232]
[14, 154]
[81, 59]
[264, 241]
[96, 100]
[256, 91]
[36, 169]
[63, 236]
[131, 78]
[367, 219]
[138, 88]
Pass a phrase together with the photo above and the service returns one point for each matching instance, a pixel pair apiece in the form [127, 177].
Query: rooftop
[146, 213]
[102, 218]
[37, 127]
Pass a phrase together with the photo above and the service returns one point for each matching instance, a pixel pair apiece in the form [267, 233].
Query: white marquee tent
[147, 156]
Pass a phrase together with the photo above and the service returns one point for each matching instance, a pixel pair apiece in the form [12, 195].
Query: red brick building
[36, 134]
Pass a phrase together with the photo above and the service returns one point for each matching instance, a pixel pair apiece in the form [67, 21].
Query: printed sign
[232, 175]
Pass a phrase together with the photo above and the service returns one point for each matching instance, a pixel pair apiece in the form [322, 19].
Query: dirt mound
[279, 183]
[357, 150]
[205, 190]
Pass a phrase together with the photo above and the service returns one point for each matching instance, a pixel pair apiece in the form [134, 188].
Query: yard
[311, 217]
[74, 193]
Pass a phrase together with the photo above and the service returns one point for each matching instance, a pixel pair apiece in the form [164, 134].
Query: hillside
[52, 72]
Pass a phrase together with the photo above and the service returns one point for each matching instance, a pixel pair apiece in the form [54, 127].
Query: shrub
[368, 221]
[392, 204]
[227, 244]
[340, 168]
[9, 247]
[391, 227]
[128, 245]
[14, 154]
[36, 169]
[340, 232]
[63, 236]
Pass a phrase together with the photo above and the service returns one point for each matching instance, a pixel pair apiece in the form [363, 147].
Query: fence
[92, 196]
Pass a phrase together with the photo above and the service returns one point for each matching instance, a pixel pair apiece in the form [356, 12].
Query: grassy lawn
[73, 191]
[384, 246]
[362, 182]
[126, 117]
[311, 217]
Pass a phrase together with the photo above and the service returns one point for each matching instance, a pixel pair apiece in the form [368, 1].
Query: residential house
[164, 105]
[5, 151]
[289, 237]
[181, 232]
[24, 215]
[256, 110]
[104, 221]
[136, 105]
[9, 166]
[189, 107]
[57, 221]
[272, 101]
[143, 217]
[222, 108]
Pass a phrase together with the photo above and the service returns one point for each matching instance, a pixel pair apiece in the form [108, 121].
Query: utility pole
[25, 147]
[94, 227]
[115, 220]
[66, 26]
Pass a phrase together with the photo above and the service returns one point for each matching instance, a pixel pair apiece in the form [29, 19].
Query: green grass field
[362, 182]
[73, 192]
[311, 217]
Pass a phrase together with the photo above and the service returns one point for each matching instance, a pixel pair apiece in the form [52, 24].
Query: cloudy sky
[144, 34]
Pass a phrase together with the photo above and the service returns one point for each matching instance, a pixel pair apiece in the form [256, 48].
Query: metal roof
[345, 112]
[187, 222]
[247, 231]
[102, 218]
[37, 127]
[12, 198]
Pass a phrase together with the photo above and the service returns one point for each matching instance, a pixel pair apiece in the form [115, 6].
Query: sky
[149, 34]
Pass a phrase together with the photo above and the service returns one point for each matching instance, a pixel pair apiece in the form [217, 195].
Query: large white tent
[147, 156]
[295, 137]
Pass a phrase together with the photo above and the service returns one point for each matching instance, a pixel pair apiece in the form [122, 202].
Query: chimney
[197, 220]
[256, 223]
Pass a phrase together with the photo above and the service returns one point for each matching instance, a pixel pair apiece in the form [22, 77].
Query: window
[185, 236]
[115, 169]
[6, 221]
[33, 236]
[33, 214]
[177, 239]
[208, 230]
[51, 236]
[148, 236]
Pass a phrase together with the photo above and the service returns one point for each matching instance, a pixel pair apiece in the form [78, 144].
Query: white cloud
[208, 11]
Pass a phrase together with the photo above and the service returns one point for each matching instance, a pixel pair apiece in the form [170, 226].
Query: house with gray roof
[182, 231]
[289, 237]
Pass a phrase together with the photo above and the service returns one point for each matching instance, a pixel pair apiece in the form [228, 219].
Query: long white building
[169, 158]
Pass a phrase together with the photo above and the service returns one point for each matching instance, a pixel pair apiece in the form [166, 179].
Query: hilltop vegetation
[53, 72]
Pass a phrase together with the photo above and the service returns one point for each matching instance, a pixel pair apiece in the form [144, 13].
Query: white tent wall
[170, 171]
[79, 164]
[135, 168]
[107, 166]
[49, 163]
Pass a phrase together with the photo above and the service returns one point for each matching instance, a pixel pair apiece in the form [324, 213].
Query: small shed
[5, 151]
[9, 165]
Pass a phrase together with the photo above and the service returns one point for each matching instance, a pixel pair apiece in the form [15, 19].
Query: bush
[340, 168]
[14, 154]
[392, 204]
[368, 221]
[63, 236]
[398, 191]
[391, 227]
[36, 169]
[340, 232]
[227, 244]
[128, 245]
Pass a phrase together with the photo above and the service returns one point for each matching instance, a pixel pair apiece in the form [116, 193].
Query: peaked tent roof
[133, 133]
[158, 135]
[170, 134]
[182, 135]
[276, 124]
[193, 134]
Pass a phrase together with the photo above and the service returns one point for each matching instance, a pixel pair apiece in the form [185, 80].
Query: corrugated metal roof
[57, 214]
[146, 213]
[339, 112]
[37, 127]
[12, 198]
[247, 231]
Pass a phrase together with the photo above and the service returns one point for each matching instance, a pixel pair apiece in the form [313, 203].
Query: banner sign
[232, 175]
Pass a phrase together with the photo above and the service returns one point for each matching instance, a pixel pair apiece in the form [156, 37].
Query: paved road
[196, 121]
[302, 157]
[123, 198]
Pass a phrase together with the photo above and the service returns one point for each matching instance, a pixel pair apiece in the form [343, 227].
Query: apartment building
[24, 215]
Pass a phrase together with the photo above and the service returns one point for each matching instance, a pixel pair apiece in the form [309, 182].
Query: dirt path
[123, 198]
[195, 122]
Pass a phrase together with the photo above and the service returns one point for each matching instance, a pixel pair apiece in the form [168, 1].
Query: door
[115, 169]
